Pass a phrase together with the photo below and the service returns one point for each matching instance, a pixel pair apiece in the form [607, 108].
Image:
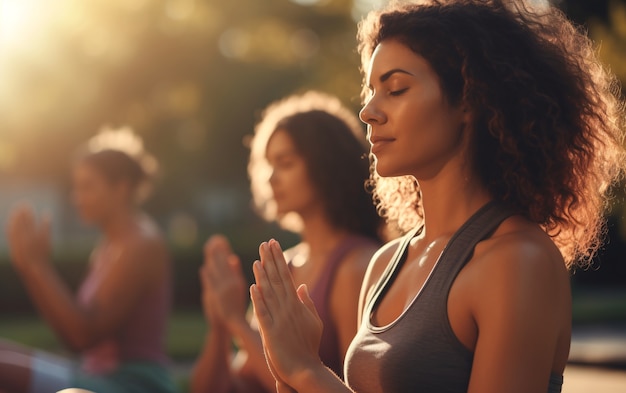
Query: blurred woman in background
[117, 322]
[308, 165]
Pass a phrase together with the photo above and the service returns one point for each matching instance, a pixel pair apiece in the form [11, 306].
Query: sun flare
[17, 17]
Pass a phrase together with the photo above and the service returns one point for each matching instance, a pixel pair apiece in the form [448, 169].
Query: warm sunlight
[19, 19]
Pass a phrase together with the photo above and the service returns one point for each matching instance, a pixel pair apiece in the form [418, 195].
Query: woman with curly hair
[117, 321]
[496, 134]
[308, 162]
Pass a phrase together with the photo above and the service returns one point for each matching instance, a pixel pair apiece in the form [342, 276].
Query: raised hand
[290, 326]
[29, 240]
[223, 283]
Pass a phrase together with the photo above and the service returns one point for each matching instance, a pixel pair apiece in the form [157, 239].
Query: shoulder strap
[460, 249]
[479, 227]
[390, 271]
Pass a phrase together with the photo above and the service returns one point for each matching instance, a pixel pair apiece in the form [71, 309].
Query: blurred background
[190, 77]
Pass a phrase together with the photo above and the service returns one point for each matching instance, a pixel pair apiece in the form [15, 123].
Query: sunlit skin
[291, 186]
[510, 304]
[411, 126]
[224, 294]
[131, 249]
[94, 196]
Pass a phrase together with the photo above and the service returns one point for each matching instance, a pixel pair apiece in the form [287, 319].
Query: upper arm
[521, 307]
[136, 269]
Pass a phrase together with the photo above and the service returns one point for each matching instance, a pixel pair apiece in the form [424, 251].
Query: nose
[273, 177]
[371, 113]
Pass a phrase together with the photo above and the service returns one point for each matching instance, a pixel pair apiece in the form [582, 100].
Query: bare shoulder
[519, 258]
[520, 244]
[356, 262]
[145, 243]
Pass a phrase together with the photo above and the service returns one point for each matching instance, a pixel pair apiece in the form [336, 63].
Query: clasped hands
[28, 238]
[290, 327]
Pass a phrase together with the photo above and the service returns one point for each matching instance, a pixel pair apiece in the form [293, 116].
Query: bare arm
[212, 373]
[251, 367]
[130, 273]
[521, 311]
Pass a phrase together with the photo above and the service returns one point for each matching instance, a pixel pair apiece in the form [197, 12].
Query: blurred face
[292, 188]
[412, 129]
[94, 196]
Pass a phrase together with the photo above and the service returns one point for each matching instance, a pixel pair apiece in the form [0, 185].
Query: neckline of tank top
[395, 261]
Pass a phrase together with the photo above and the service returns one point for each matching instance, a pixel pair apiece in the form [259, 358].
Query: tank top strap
[461, 245]
[390, 271]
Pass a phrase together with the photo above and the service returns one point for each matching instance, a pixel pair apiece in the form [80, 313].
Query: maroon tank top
[329, 352]
[142, 338]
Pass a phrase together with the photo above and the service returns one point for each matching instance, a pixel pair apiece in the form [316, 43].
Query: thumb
[305, 298]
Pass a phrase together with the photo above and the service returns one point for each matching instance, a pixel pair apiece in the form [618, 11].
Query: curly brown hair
[547, 120]
[332, 143]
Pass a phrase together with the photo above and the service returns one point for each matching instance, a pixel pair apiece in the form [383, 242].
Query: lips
[378, 142]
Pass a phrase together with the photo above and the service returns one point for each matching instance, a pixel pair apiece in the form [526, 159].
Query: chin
[385, 171]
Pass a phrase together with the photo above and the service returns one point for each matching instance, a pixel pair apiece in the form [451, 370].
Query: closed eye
[396, 93]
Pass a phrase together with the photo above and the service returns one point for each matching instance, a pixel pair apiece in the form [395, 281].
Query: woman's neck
[449, 201]
[117, 225]
[320, 235]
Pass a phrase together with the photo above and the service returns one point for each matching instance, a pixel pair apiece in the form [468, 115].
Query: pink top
[142, 338]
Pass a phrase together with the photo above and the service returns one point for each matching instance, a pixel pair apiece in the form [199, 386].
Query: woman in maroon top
[308, 162]
[117, 321]
[497, 133]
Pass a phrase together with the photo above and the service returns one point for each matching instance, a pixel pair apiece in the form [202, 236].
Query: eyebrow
[389, 73]
[281, 155]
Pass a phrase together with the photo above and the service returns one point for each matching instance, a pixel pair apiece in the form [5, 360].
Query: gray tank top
[419, 351]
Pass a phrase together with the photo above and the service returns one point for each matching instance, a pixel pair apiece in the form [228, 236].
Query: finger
[281, 263]
[269, 266]
[219, 252]
[261, 312]
[305, 298]
[211, 274]
[218, 244]
[271, 299]
[221, 242]
[260, 277]
[234, 265]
